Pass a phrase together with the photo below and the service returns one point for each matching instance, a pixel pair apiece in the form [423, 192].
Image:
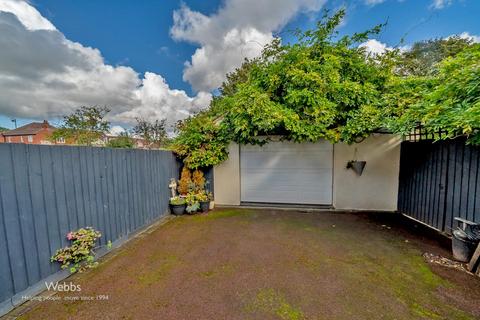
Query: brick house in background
[32, 133]
[39, 132]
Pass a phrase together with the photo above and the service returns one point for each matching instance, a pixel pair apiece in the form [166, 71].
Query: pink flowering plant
[79, 256]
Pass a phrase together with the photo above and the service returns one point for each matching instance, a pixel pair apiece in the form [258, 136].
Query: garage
[287, 173]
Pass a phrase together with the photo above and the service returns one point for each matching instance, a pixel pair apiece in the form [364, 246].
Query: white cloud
[117, 130]
[45, 75]
[28, 15]
[466, 35]
[239, 29]
[374, 47]
[157, 99]
[440, 4]
[373, 2]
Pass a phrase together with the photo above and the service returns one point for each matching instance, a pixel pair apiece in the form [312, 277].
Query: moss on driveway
[271, 264]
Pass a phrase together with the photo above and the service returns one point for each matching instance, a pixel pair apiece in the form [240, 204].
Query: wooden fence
[440, 181]
[46, 191]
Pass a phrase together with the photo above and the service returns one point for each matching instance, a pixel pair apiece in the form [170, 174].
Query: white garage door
[287, 172]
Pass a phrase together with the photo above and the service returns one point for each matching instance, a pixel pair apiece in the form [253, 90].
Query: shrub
[202, 197]
[185, 182]
[79, 255]
[122, 142]
[210, 196]
[198, 180]
[193, 208]
[192, 202]
[177, 201]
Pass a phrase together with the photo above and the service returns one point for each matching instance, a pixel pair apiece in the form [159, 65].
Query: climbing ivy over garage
[449, 101]
[316, 88]
[323, 86]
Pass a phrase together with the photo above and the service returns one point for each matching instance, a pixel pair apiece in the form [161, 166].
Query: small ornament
[173, 187]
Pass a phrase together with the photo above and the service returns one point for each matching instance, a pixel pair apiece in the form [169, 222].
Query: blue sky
[138, 35]
[134, 33]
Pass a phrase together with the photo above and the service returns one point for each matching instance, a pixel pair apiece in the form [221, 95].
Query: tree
[239, 75]
[201, 141]
[85, 126]
[424, 56]
[123, 141]
[154, 133]
[451, 101]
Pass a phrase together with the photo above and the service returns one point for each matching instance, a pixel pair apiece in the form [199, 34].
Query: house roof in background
[29, 129]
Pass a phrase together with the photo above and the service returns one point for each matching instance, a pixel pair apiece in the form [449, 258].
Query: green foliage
[240, 75]
[192, 208]
[154, 133]
[314, 89]
[326, 87]
[192, 202]
[177, 201]
[85, 126]
[79, 255]
[201, 142]
[122, 141]
[424, 56]
[401, 94]
[202, 196]
[438, 90]
[452, 101]
[2, 129]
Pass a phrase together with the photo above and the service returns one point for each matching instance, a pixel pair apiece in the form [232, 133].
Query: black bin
[465, 239]
[462, 246]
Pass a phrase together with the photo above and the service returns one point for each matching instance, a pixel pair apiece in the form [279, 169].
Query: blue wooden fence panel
[440, 181]
[46, 191]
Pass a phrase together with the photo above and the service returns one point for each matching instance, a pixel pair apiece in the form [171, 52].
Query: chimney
[45, 124]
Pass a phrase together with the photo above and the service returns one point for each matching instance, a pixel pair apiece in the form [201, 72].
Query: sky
[165, 59]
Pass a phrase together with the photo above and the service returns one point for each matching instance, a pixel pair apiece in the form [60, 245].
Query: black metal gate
[439, 181]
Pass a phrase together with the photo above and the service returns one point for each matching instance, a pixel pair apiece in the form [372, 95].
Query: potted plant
[178, 205]
[198, 181]
[185, 183]
[80, 255]
[192, 203]
[204, 201]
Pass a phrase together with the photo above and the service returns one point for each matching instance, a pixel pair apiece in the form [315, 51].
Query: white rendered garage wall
[377, 187]
[226, 178]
